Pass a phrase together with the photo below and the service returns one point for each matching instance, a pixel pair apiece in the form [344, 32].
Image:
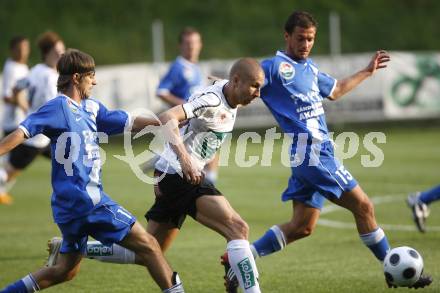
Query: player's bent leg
[301, 225]
[216, 213]
[303, 222]
[357, 201]
[165, 233]
[150, 255]
[66, 268]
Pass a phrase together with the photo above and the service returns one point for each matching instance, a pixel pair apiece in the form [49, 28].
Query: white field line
[376, 200]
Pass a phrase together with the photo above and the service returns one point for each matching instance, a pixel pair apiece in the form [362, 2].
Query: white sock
[113, 254]
[243, 264]
[177, 285]
[30, 283]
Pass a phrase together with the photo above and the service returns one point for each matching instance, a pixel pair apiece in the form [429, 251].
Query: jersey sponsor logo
[246, 272]
[207, 143]
[310, 111]
[286, 70]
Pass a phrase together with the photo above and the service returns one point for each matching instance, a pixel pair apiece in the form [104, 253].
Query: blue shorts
[109, 224]
[327, 178]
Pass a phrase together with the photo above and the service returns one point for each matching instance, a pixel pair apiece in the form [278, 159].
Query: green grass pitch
[333, 259]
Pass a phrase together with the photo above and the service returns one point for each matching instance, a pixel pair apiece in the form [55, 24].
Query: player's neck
[73, 94]
[20, 60]
[192, 59]
[227, 92]
[293, 57]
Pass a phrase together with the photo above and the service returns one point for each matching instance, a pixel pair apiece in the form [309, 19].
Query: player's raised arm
[343, 86]
[170, 119]
[11, 141]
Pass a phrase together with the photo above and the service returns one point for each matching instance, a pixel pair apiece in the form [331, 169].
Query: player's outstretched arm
[170, 119]
[141, 122]
[171, 99]
[343, 86]
[11, 141]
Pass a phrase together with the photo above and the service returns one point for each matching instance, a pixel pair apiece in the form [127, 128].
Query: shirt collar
[285, 56]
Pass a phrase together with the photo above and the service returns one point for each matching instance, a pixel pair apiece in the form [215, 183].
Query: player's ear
[76, 78]
[236, 79]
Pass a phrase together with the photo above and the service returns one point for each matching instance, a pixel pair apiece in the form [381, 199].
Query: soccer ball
[403, 266]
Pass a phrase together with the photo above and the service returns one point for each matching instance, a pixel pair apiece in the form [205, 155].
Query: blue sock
[25, 285]
[272, 241]
[431, 195]
[377, 242]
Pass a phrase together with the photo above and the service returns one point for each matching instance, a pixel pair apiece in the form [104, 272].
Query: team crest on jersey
[286, 70]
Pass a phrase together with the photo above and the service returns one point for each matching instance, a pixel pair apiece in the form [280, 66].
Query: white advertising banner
[412, 87]
[408, 88]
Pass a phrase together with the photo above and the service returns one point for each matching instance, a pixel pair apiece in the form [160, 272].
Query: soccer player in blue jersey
[73, 122]
[419, 202]
[294, 91]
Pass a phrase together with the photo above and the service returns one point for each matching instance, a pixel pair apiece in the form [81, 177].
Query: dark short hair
[301, 19]
[47, 41]
[71, 62]
[187, 31]
[13, 43]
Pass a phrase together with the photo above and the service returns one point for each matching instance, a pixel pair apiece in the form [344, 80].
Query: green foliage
[331, 260]
[120, 31]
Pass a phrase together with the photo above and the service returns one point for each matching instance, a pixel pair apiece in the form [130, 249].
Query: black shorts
[22, 155]
[176, 198]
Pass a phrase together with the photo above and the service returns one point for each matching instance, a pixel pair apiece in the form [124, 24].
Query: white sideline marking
[376, 200]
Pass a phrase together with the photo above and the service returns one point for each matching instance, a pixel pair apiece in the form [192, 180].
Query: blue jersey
[293, 92]
[76, 164]
[181, 80]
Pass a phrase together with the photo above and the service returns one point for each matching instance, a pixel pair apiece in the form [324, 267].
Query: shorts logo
[286, 70]
[246, 272]
[99, 250]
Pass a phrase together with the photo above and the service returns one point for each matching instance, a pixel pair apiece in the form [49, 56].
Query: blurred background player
[184, 75]
[41, 86]
[181, 80]
[15, 69]
[419, 202]
[80, 207]
[294, 91]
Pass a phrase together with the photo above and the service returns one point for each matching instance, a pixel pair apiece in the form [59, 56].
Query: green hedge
[120, 31]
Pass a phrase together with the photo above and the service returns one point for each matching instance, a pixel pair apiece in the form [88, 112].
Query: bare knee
[239, 228]
[364, 209]
[148, 245]
[295, 231]
[60, 274]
